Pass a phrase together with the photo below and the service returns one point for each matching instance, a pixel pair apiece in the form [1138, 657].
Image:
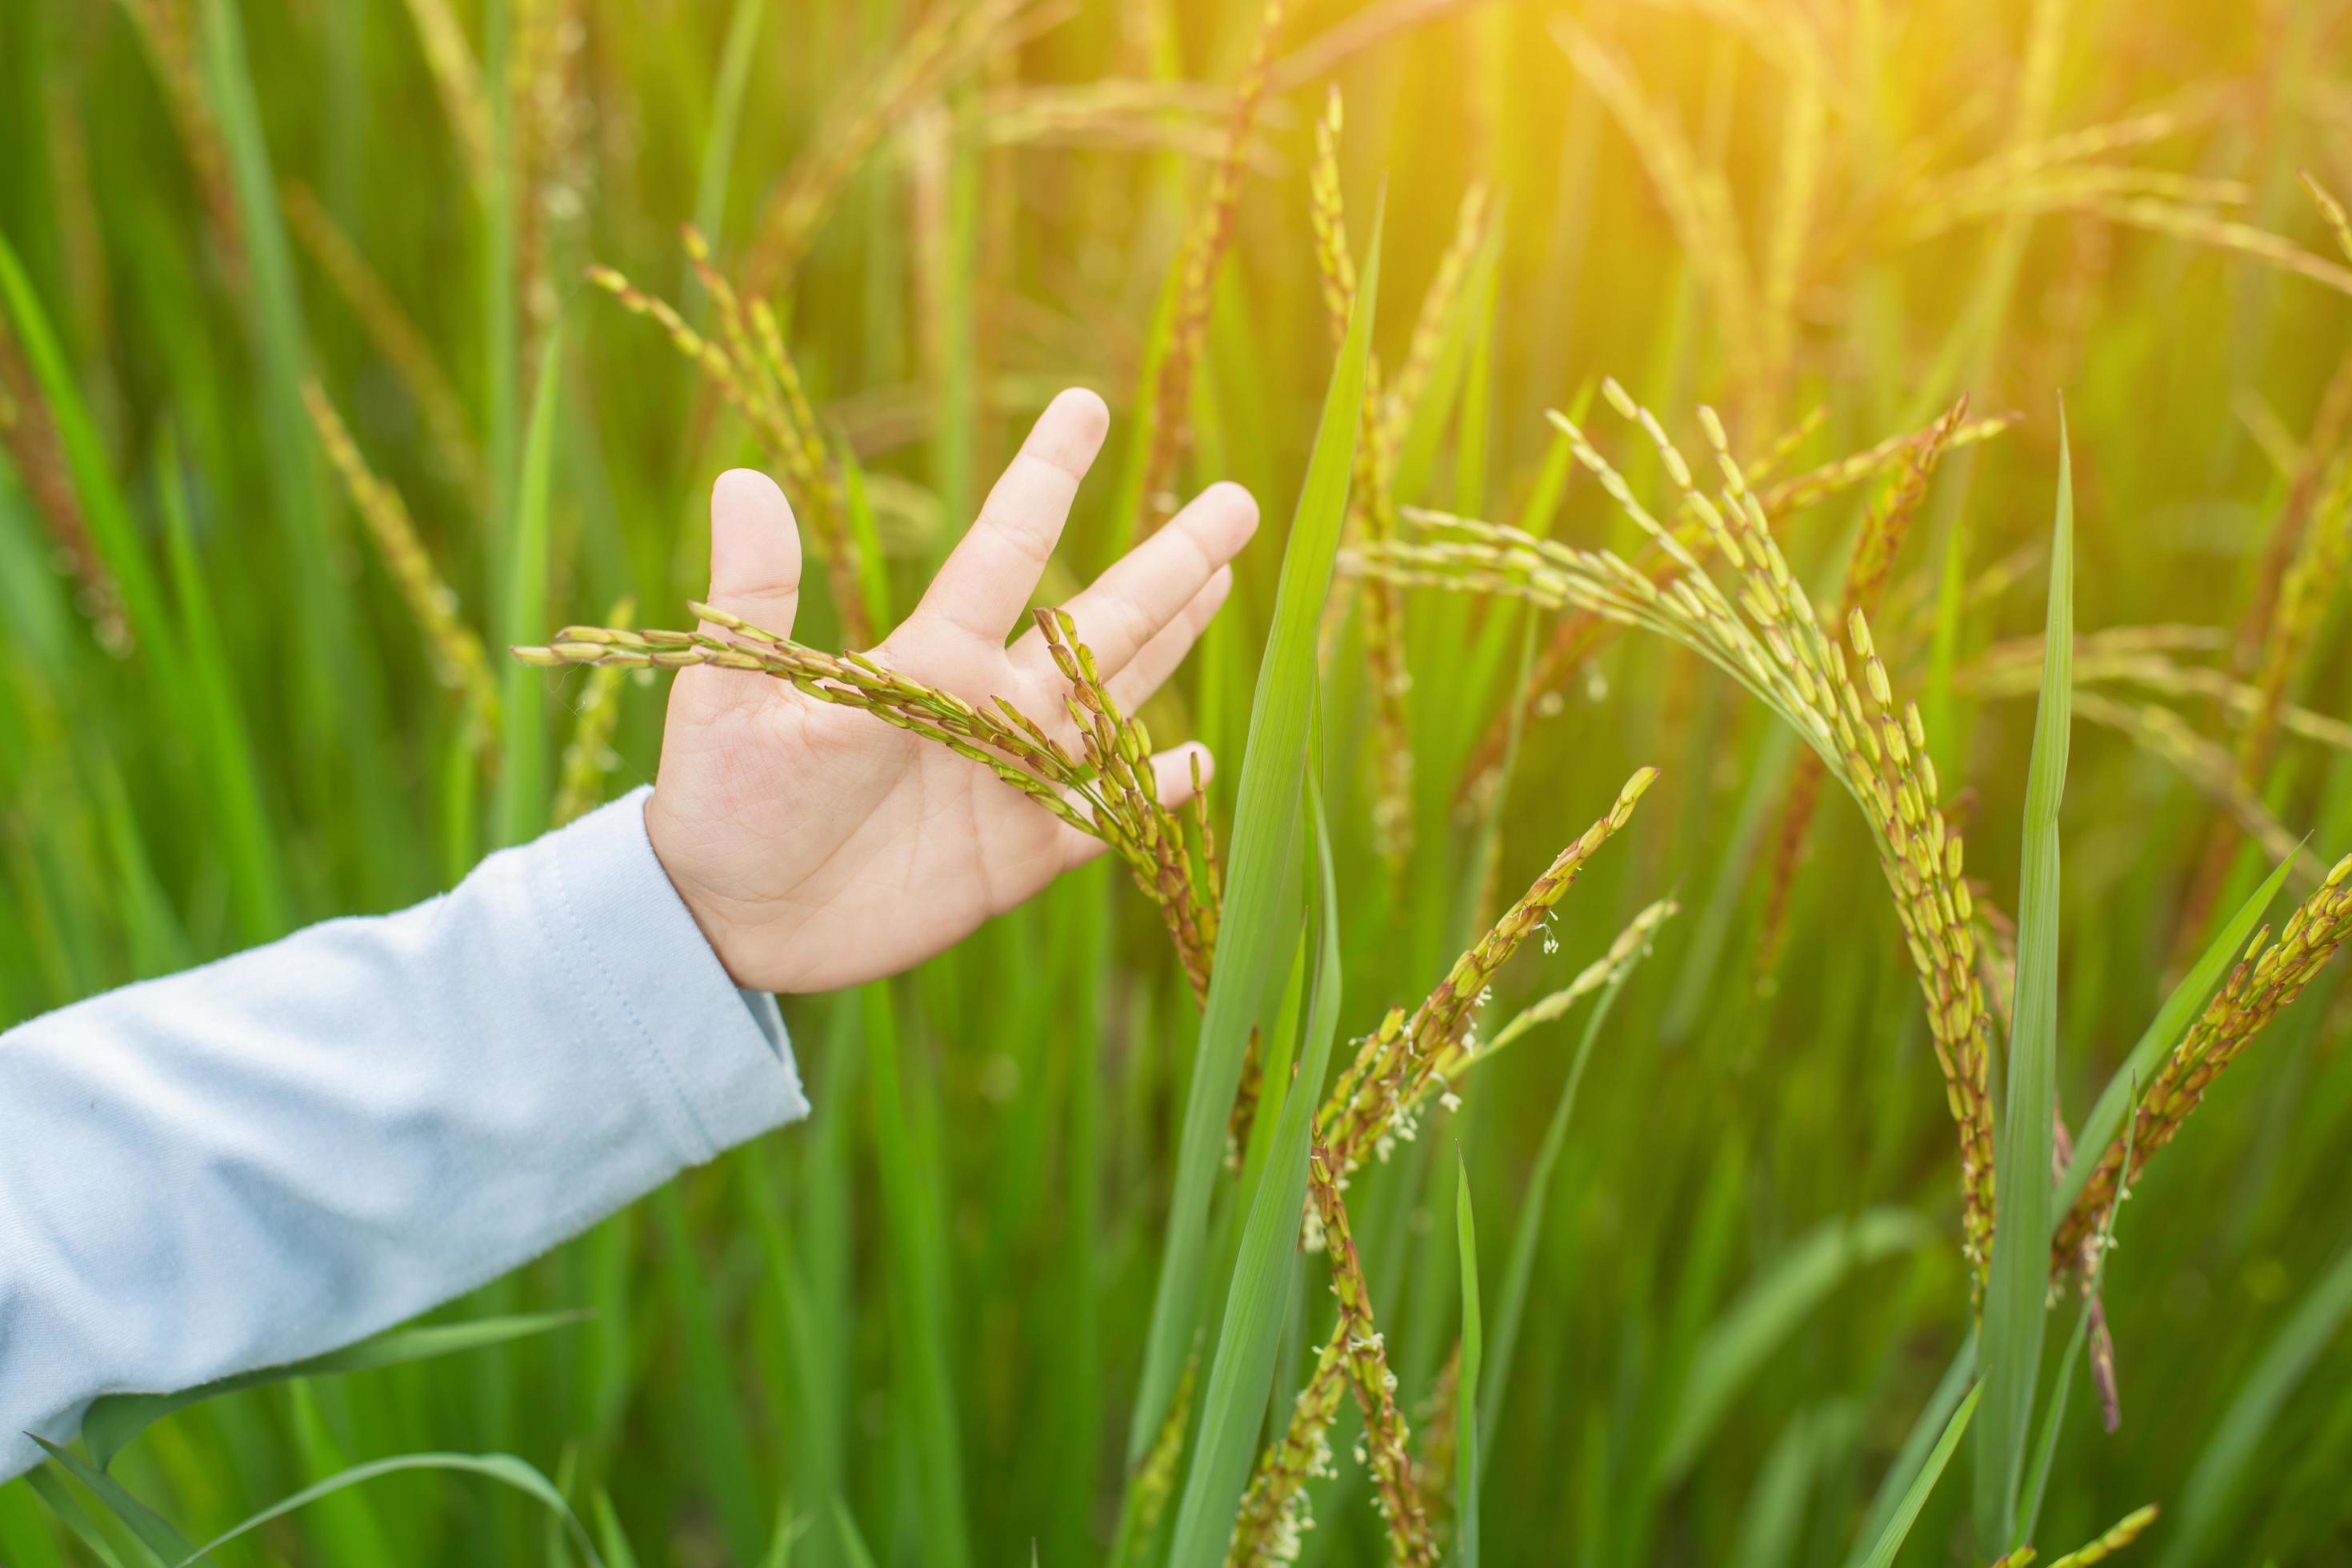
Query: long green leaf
[114, 1421]
[142, 1521]
[2164, 1032]
[2016, 1303]
[1923, 1486]
[256, 880]
[523, 788]
[853, 1545]
[1470, 1385]
[727, 96]
[2219, 1482]
[1266, 805]
[1912, 1457]
[68, 1512]
[1529, 1232]
[504, 1468]
[918, 1294]
[1240, 1375]
[1738, 1343]
[340, 694]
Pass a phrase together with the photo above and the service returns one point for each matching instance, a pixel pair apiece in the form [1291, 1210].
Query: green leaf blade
[2016, 1303]
[1266, 808]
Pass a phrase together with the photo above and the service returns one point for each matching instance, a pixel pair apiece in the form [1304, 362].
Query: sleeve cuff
[711, 1061]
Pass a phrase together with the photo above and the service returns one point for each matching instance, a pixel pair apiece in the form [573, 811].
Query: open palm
[818, 846]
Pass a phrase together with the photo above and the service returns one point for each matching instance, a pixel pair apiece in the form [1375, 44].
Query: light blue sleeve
[279, 1153]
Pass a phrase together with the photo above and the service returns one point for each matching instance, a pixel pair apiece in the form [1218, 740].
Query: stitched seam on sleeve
[706, 1146]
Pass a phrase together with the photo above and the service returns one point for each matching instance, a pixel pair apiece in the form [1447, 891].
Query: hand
[818, 846]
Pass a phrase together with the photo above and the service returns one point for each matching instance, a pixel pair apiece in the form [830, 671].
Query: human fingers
[1139, 595]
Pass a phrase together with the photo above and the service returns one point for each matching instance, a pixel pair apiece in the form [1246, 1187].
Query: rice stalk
[552, 187]
[1184, 118]
[2330, 419]
[1579, 634]
[2331, 212]
[1884, 528]
[945, 40]
[450, 644]
[2114, 1539]
[1371, 501]
[1362, 1350]
[1375, 1102]
[2309, 582]
[394, 335]
[1473, 217]
[1204, 253]
[2274, 971]
[2169, 737]
[1273, 1517]
[1973, 201]
[168, 30]
[2163, 215]
[1698, 199]
[1769, 641]
[749, 365]
[30, 438]
[2142, 658]
[458, 79]
[1804, 120]
[588, 756]
[1413, 1056]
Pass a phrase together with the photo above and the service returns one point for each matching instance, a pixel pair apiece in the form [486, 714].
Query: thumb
[755, 551]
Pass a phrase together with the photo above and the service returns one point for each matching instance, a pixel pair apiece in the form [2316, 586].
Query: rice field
[1785, 747]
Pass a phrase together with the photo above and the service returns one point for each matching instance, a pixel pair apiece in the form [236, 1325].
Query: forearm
[280, 1153]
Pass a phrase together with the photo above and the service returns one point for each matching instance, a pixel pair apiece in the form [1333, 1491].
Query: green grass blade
[2017, 1291]
[256, 880]
[2164, 1032]
[853, 1545]
[1520, 1271]
[523, 782]
[1738, 1343]
[1466, 1401]
[1958, 1380]
[726, 121]
[504, 1468]
[327, 680]
[144, 1522]
[1266, 805]
[721, 1439]
[1241, 1374]
[114, 1421]
[873, 569]
[2220, 1481]
[610, 1536]
[918, 1294]
[1915, 1497]
[77, 1521]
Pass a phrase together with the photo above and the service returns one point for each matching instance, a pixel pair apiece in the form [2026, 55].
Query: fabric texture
[286, 1151]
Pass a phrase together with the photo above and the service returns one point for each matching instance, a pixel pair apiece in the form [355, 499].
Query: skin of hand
[817, 847]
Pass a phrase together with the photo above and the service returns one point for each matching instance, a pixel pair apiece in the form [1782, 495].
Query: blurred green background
[219, 720]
